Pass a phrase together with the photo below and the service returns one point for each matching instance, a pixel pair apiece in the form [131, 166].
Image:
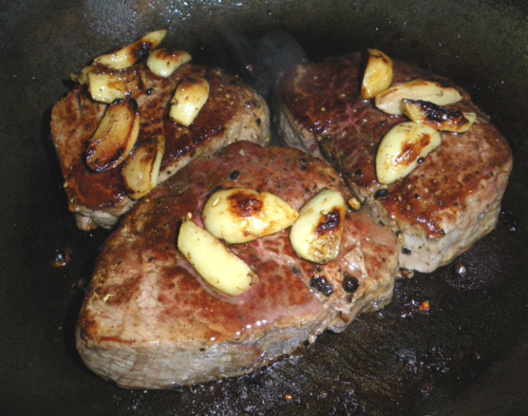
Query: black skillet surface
[467, 356]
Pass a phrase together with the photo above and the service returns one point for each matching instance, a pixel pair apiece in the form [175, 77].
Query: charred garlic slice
[189, 98]
[163, 62]
[115, 136]
[390, 100]
[141, 169]
[218, 266]
[239, 215]
[401, 149]
[438, 117]
[378, 74]
[133, 53]
[317, 233]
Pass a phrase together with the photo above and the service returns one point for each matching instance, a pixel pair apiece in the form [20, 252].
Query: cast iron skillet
[468, 355]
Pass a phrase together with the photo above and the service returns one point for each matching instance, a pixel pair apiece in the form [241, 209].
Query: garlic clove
[316, 235]
[378, 74]
[390, 100]
[239, 215]
[402, 148]
[438, 117]
[141, 169]
[163, 62]
[189, 98]
[115, 136]
[106, 88]
[217, 265]
[133, 53]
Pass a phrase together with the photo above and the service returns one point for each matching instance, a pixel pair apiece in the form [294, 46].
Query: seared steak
[147, 321]
[440, 209]
[233, 112]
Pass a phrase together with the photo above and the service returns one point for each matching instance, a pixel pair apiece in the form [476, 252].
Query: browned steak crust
[147, 322]
[233, 112]
[450, 201]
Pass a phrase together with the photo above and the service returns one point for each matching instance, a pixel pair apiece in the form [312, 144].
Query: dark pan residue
[451, 343]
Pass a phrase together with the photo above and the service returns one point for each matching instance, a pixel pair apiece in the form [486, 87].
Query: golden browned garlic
[106, 88]
[390, 100]
[316, 235]
[141, 169]
[402, 148]
[378, 74]
[115, 136]
[189, 98]
[133, 53]
[438, 117]
[239, 215]
[217, 265]
[163, 62]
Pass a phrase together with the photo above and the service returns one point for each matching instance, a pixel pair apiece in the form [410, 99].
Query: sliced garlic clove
[438, 117]
[106, 88]
[401, 149]
[163, 62]
[189, 98]
[141, 169]
[133, 53]
[378, 74]
[317, 233]
[390, 100]
[217, 265]
[115, 136]
[239, 215]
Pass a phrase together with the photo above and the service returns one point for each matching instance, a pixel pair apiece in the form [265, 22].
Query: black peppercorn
[350, 283]
[381, 193]
[234, 175]
[320, 283]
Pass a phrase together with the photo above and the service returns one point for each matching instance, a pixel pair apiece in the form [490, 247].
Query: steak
[441, 208]
[148, 322]
[233, 112]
